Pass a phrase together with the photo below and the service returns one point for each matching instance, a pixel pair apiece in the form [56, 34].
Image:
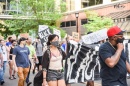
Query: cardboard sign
[75, 35]
[95, 37]
[57, 32]
[43, 33]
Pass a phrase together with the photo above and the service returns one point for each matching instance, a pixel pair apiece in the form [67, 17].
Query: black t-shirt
[115, 76]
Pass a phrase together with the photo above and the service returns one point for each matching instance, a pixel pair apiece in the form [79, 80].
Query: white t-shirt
[4, 52]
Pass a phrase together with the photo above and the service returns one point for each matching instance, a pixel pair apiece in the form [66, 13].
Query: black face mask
[55, 43]
[120, 40]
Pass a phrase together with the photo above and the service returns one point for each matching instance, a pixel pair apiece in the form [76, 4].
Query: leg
[53, 83]
[90, 83]
[68, 84]
[34, 68]
[40, 65]
[1, 75]
[61, 82]
[10, 69]
[21, 76]
[26, 72]
[4, 66]
[27, 79]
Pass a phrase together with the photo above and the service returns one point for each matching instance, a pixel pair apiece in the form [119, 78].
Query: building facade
[119, 11]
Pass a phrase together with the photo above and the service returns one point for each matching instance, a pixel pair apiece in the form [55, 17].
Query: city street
[14, 82]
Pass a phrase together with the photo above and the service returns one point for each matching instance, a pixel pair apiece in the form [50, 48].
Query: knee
[21, 78]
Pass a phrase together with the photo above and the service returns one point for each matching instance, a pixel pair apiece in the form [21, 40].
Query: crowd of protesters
[24, 56]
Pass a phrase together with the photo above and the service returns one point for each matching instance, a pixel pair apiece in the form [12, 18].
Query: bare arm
[8, 50]
[44, 79]
[128, 67]
[113, 60]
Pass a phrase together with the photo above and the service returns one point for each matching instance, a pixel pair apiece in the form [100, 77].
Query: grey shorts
[54, 75]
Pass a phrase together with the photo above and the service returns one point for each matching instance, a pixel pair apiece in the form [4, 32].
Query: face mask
[120, 40]
[55, 43]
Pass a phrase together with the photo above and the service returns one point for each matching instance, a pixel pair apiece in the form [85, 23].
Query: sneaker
[2, 82]
[29, 83]
[14, 77]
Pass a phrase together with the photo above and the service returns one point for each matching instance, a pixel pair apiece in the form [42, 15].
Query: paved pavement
[14, 82]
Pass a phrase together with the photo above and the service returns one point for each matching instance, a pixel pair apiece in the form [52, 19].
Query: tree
[96, 22]
[32, 13]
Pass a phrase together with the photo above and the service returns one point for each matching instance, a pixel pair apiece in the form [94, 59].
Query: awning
[124, 25]
[118, 15]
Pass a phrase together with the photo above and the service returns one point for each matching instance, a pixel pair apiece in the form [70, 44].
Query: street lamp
[77, 15]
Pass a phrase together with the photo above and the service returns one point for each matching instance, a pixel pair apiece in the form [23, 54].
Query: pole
[77, 24]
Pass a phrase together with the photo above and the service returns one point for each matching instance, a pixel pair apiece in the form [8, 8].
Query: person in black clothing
[11, 72]
[114, 66]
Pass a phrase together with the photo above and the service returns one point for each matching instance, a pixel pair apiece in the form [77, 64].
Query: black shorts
[54, 75]
[39, 59]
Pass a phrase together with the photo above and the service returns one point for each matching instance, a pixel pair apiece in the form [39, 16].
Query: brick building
[119, 11]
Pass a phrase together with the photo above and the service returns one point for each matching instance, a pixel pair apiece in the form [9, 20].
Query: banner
[95, 37]
[43, 33]
[80, 64]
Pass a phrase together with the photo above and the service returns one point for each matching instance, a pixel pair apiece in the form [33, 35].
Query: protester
[31, 59]
[53, 63]
[1, 68]
[21, 60]
[63, 45]
[5, 53]
[114, 66]
[9, 43]
[11, 64]
[39, 52]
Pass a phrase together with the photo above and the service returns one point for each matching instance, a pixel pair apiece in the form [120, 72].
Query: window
[84, 21]
[62, 24]
[4, 7]
[68, 24]
[95, 2]
[85, 3]
[73, 23]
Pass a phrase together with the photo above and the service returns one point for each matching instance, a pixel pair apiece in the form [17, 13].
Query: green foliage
[96, 22]
[32, 13]
[62, 32]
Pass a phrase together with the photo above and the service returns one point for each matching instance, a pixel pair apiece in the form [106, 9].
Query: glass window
[62, 24]
[73, 23]
[68, 24]
[84, 21]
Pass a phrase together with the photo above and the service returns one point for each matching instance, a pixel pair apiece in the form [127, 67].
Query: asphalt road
[14, 82]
